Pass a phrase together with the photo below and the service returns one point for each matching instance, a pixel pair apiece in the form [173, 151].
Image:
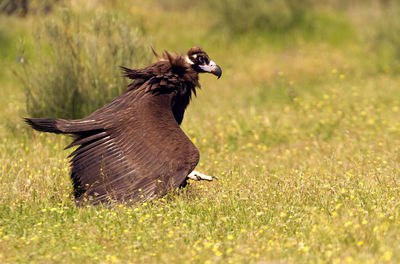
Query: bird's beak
[213, 68]
[216, 70]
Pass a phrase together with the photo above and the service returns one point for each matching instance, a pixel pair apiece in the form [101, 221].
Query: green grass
[304, 137]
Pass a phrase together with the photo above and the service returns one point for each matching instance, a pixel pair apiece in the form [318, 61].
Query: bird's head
[200, 62]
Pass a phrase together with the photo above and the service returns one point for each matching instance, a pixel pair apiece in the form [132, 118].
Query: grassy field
[302, 131]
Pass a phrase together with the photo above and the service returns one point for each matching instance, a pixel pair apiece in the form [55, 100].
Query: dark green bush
[76, 70]
[23, 7]
[239, 16]
[386, 38]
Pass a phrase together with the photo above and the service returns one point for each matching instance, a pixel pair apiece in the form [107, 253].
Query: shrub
[23, 7]
[77, 68]
[386, 40]
[239, 16]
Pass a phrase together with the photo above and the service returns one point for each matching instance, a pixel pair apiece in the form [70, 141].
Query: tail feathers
[44, 125]
[62, 125]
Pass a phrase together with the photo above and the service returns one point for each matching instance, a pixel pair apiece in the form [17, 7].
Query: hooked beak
[213, 68]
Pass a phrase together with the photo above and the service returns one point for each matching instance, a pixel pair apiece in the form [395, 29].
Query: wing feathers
[89, 146]
[137, 151]
[86, 137]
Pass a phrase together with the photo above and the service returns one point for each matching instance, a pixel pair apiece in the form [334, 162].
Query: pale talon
[197, 176]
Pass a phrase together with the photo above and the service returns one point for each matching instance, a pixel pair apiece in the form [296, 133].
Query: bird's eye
[201, 59]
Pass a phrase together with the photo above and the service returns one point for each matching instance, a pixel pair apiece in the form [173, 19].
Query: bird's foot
[197, 176]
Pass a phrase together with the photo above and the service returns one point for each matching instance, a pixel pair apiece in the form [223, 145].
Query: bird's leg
[197, 176]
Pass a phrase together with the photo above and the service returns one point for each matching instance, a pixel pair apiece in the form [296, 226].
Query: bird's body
[133, 149]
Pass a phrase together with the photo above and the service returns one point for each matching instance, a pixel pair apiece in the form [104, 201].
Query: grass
[304, 137]
[78, 67]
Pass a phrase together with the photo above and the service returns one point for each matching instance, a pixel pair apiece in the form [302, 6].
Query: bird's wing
[139, 153]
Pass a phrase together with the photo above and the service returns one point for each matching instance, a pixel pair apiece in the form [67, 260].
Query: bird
[133, 149]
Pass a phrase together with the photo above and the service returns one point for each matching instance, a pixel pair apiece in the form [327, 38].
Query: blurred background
[61, 58]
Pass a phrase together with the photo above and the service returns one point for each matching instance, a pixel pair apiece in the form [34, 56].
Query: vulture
[133, 148]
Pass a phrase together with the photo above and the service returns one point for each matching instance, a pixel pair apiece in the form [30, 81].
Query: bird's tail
[61, 125]
[44, 125]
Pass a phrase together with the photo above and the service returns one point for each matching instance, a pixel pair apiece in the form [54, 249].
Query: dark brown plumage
[133, 149]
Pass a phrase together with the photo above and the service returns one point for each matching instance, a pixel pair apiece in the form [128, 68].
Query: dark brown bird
[133, 149]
